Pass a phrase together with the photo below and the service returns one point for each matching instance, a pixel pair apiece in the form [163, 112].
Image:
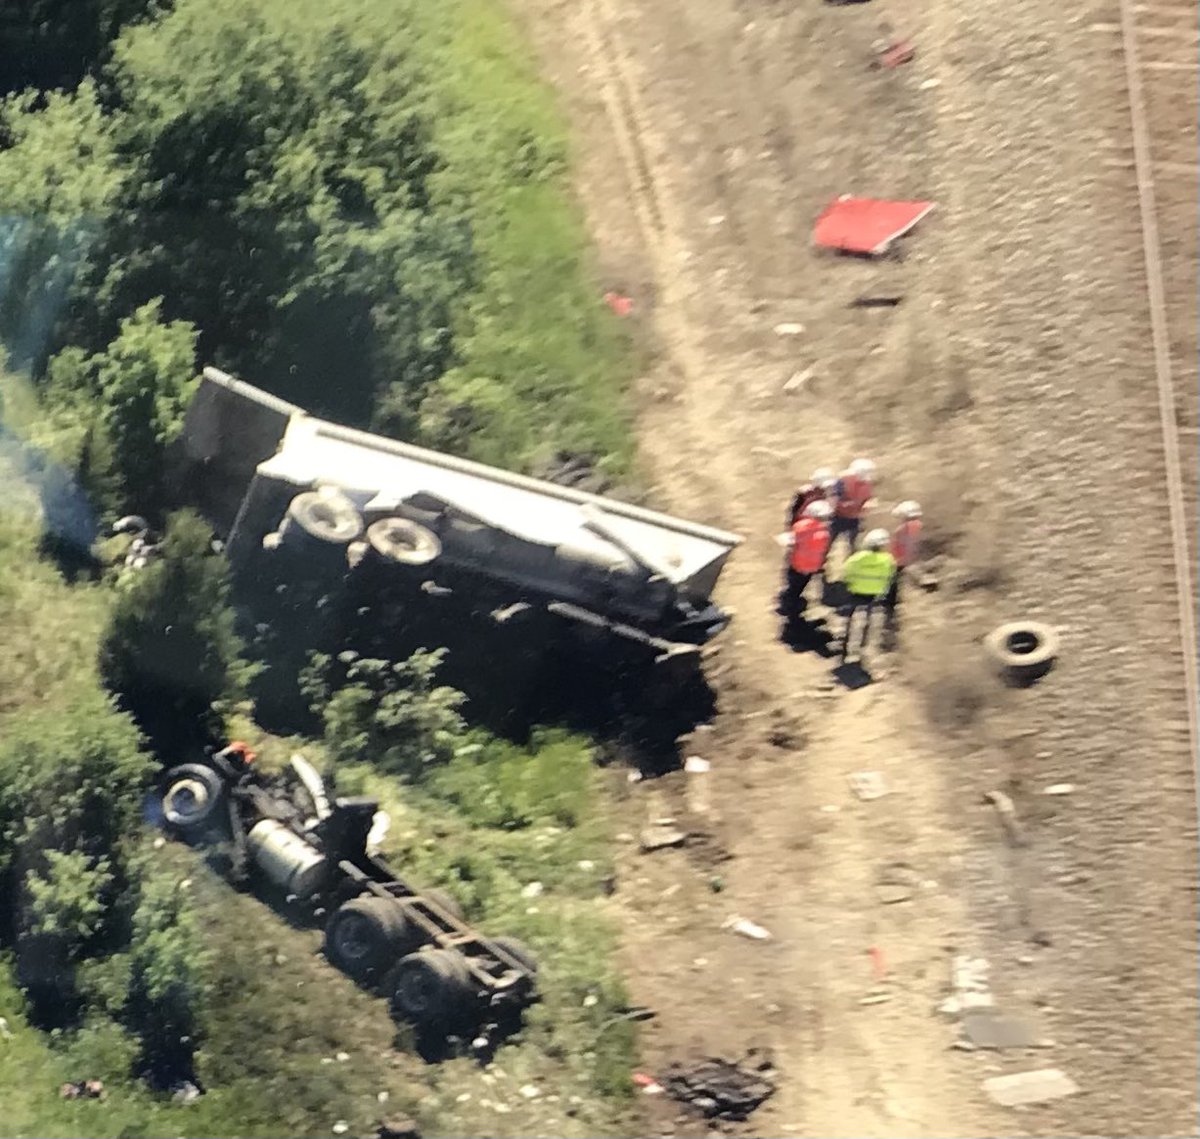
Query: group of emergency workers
[829, 507]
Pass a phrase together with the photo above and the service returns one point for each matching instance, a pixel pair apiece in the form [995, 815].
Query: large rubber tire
[432, 991]
[444, 901]
[404, 542]
[192, 794]
[519, 951]
[366, 935]
[1024, 650]
[324, 516]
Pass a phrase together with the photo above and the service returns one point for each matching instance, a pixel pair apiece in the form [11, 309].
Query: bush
[391, 715]
[171, 653]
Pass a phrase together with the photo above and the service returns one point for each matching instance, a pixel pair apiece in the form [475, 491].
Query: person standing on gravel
[853, 494]
[906, 549]
[819, 488]
[806, 556]
[868, 577]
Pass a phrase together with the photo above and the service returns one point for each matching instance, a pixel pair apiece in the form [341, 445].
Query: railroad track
[1160, 46]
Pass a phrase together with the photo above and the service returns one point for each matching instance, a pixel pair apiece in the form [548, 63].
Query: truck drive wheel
[366, 934]
[432, 991]
[191, 795]
[1024, 650]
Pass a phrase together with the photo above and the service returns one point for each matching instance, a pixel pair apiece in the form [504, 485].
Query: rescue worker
[868, 577]
[819, 487]
[906, 549]
[854, 493]
[806, 556]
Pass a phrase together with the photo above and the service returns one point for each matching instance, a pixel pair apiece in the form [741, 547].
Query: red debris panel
[622, 306]
[901, 51]
[866, 225]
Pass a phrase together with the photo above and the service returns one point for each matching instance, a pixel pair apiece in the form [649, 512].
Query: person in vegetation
[806, 556]
[868, 578]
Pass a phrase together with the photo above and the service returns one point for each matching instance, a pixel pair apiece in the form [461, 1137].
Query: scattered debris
[896, 882]
[926, 579]
[1059, 789]
[746, 928]
[930, 84]
[185, 1092]
[533, 890]
[5, 1031]
[1008, 816]
[798, 380]
[878, 967]
[633, 777]
[83, 1089]
[789, 328]
[868, 785]
[529, 1091]
[621, 305]
[985, 1028]
[876, 301]
[660, 837]
[694, 765]
[716, 883]
[720, 1089]
[1030, 1087]
[648, 1084]
[866, 225]
[876, 997]
[398, 1127]
[969, 979]
[894, 54]
[340, 1127]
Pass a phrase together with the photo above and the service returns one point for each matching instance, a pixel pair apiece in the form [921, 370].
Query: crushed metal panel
[866, 225]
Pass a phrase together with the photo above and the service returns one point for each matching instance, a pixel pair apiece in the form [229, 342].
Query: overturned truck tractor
[444, 978]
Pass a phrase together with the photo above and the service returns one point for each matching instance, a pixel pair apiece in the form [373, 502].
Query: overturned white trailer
[291, 488]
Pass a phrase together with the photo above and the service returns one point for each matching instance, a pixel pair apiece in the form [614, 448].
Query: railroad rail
[1160, 43]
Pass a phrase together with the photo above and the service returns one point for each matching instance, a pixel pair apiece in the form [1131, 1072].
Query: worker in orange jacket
[906, 549]
[853, 495]
[819, 488]
[806, 556]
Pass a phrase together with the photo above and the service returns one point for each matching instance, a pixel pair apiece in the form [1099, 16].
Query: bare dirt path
[1011, 392]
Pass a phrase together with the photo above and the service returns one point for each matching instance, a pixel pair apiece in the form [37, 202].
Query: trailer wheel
[366, 934]
[324, 515]
[403, 541]
[1024, 650]
[432, 991]
[519, 952]
[445, 901]
[191, 795]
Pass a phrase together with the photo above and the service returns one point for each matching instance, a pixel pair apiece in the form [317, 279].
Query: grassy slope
[271, 1057]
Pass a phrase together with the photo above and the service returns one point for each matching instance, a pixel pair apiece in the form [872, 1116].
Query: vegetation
[364, 210]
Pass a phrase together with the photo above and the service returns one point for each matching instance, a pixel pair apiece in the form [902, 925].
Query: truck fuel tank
[286, 859]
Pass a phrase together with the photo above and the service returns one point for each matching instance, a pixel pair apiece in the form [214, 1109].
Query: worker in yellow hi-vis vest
[868, 577]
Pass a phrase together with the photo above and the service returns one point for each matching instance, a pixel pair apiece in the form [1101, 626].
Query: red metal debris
[878, 967]
[896, 53]
[622, 306]
[866, 225]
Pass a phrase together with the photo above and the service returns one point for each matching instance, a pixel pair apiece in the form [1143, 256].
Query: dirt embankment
[1012, 390]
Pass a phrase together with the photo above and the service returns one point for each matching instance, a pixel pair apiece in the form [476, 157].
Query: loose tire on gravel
[403, 542]
[366, 935]
[433, 992]
[325, 517]
[519, 952]
[1024, 650]
[192, 794]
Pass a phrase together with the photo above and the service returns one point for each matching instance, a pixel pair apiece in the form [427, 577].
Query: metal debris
[895, 882]
[1059, 789]
[660, 837]
[987, 1029]
[868, 785]
[1030, 1087]
[694, 765]
[746, 928]
[719, 1089]
[789, 328]
[1008, 816]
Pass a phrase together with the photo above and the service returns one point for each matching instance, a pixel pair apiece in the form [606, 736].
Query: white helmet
[876, 539]
[862, 469]
[823, 476]
[819, 509]
[908, 509]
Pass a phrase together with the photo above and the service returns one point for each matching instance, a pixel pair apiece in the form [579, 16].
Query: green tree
[68, 899]
[391, 714]
[171, 652]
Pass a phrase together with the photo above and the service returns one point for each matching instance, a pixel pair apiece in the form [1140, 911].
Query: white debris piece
[380, 825]
[591, 1000]
[1030, 1087]
[533, 890]
[868, 785]
[969, 979]
[585, 864]
[746, 928]
[340, 1127]
[789, 328]
[694, 765]
[342, 1057]
[529, 1091]
[1059, 789]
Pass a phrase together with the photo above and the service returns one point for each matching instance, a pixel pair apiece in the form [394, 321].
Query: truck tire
[1024, 650]
[519, 952]
[192, 794]
[325, 516]
[403, 542]
[432, 991]
[444, 901]
[366, 934]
